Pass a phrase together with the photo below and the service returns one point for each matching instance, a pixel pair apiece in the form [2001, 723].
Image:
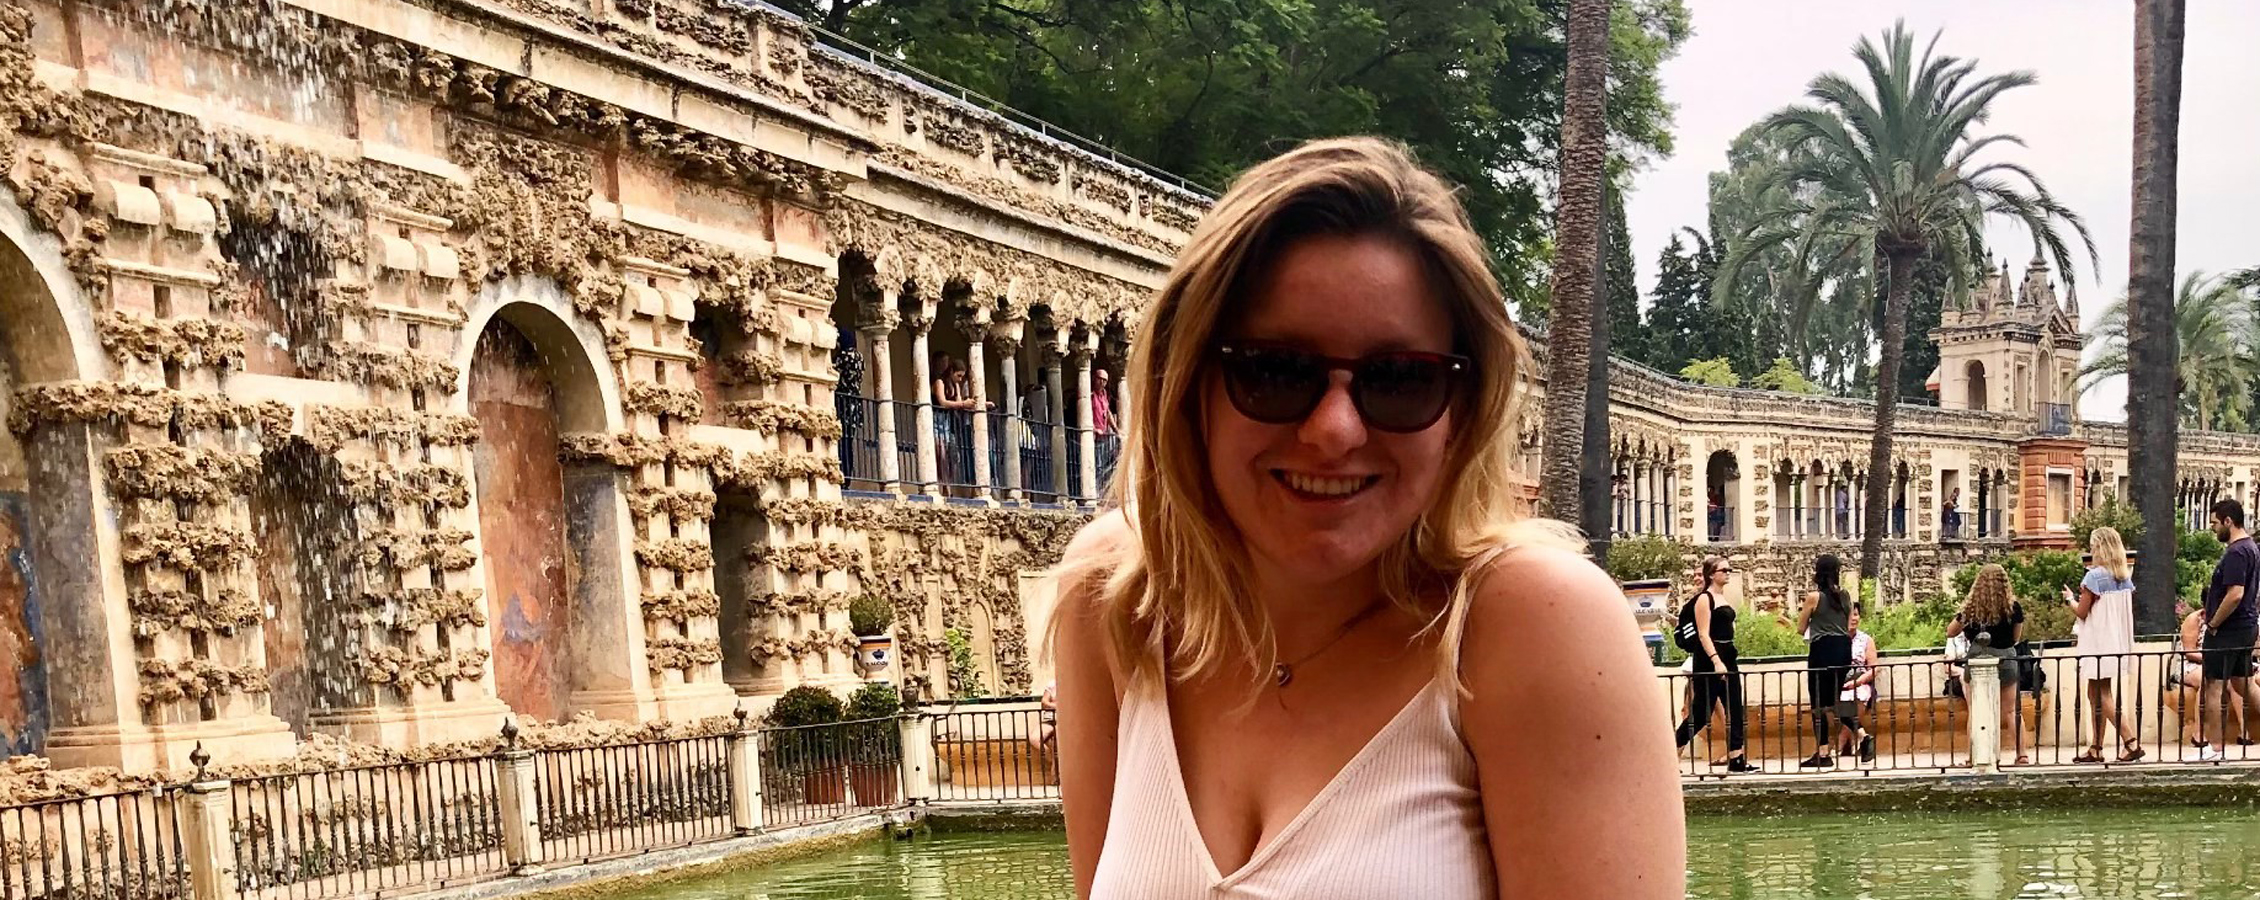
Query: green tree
[1677, 310]
[1206, 88]
[1717, 372]
[1629, 336]
[1894, 166]
[2213, 333]
[1783, 376]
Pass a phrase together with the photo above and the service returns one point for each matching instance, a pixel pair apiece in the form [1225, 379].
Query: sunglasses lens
[1273, 386]
[1403, 393]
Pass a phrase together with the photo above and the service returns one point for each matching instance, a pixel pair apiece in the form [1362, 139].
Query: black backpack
[1685, 637]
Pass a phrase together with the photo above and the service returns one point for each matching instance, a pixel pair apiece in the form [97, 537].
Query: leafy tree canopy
[1206, 88]
[1783, 376]
[1712, 372]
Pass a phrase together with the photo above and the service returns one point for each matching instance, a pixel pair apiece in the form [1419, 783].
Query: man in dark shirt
[2232, 622]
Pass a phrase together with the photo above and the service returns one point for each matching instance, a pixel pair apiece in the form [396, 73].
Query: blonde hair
[1989, 599]
[1181, 581]
[2109, 552]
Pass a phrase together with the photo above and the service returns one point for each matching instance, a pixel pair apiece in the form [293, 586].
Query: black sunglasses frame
[1456, 370]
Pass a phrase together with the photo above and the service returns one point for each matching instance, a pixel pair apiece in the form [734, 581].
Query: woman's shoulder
[1541, 587]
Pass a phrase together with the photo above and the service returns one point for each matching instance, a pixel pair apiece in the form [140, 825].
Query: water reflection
[2120, 855]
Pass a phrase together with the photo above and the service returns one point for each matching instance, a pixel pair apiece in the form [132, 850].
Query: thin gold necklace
[1285, 672]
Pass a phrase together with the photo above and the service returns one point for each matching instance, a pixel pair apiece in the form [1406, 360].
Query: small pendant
[1282, 674]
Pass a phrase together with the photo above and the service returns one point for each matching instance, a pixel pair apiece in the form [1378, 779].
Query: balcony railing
[859, 442]
[1720, 524]
[1044, 477]
[2055, 418]
[1899, 522]
[906, 440]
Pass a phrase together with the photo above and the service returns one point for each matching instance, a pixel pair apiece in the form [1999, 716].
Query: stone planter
[825, 786]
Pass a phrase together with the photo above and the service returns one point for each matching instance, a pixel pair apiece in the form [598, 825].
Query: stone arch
[61, 691]
[589, 394]
[1722, 485]
[1975, 378]
[553, 536]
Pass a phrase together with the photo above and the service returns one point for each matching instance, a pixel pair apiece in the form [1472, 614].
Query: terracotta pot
[824, 787]
[876, 784]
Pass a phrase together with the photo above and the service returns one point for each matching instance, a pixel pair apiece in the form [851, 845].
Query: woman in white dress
[2103, 626]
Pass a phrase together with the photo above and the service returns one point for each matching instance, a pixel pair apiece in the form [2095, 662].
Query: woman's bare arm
[1805, 611]
[1571, 736]
[1089, 699]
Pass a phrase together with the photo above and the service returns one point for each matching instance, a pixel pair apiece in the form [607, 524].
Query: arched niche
[66, 668]
[554, 536]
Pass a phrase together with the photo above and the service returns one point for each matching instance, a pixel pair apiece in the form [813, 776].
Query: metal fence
[2057, 707]
[122, 845]
[602, 802]
[859, 442]
[906, 440]
[816, 773]
[994, 754]
[366, 830]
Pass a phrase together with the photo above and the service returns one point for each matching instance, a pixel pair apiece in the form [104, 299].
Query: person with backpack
[1995, 623]
[1706, 634]
[2103, 628]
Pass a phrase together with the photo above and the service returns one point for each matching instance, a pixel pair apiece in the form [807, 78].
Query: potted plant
[810, 748]
[869, 616]
[874, 744]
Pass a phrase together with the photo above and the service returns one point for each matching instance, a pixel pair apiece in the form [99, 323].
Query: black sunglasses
[1399, 391]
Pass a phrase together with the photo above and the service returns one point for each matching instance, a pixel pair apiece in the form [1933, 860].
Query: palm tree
[2214, 334]
[2153, 430]
[1894, 166]
[1577, 255]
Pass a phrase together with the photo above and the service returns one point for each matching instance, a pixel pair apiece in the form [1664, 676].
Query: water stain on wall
[522, 522]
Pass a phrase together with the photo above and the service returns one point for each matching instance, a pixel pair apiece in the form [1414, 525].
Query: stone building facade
[386, 368]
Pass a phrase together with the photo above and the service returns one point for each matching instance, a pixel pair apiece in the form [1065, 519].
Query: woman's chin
[1319, 559]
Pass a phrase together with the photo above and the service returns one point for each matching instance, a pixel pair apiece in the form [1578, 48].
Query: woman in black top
[1826, 623]
[1717, 679]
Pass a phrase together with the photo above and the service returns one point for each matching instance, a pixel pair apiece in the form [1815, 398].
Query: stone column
[977, 363]
[880, 371]
[521, 815]
[1087, 486]
[921, 369]
[205, 841]
[1006, 335]
[917, 757]
[1984, 693]
[1055, 402]
[744, 750]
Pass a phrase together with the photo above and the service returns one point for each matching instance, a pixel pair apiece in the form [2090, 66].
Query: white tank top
[1402, 819]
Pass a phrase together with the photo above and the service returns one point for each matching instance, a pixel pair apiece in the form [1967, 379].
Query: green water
[2119, 855]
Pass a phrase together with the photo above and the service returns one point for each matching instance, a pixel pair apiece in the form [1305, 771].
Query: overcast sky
[1749, 57]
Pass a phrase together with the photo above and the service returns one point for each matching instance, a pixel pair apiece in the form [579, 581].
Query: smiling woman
[1316, 654]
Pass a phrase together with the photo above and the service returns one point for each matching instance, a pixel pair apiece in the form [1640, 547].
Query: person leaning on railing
[1995, 623]
[1316, 651]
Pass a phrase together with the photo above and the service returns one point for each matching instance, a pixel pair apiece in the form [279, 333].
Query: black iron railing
[817, 773]
[123, 845]
[859, 442]
[367, 829]
[2055, 418]
[995, 754]
[602, 802]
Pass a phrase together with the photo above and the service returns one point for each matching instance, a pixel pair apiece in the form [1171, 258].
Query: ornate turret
[2039, 295]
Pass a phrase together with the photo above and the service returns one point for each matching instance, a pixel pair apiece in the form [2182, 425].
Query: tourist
[1105, 426]
[953, 419]
[1995, 623]
[1706, 631]
[2232, 624]
[1047, 718]
[1825, 620]
[2103, 629]
[1953, 513]
[2191, 677]
[1857, 699]
[1317, 604]
[1717, 513]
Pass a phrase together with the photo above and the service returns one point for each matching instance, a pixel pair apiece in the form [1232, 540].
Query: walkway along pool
[2199, 854]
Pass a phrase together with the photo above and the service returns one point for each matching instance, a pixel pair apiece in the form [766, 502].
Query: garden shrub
[1645, 557]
